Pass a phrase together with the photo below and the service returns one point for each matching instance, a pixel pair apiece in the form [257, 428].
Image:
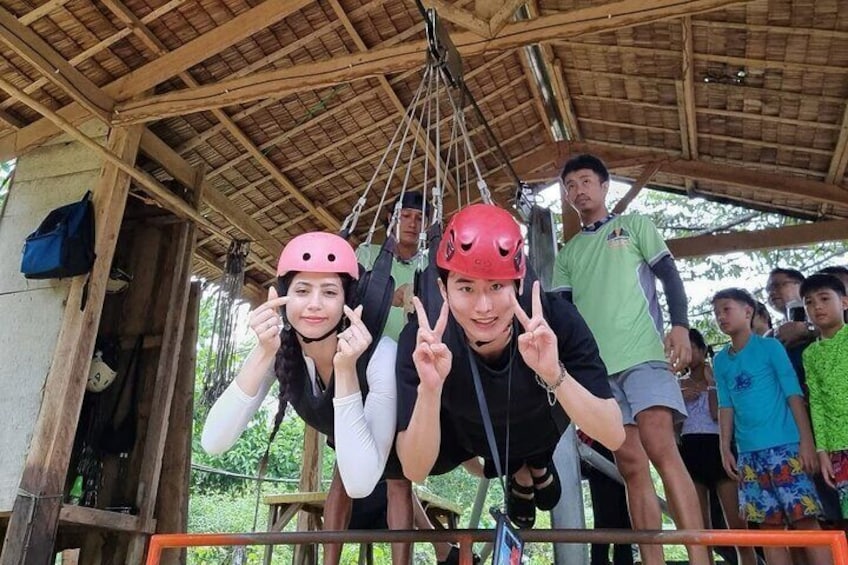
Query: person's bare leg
[776, 555]
[657, 432]
[728, 496]
[337, 509]
[704, 501]
[399, 517]
[645, 514]
[818, 554]
[422, 522]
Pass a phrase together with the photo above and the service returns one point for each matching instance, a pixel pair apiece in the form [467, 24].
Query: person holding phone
[311, 341]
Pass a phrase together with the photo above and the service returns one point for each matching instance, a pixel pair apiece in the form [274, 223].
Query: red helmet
[318, 252]
[483, 242]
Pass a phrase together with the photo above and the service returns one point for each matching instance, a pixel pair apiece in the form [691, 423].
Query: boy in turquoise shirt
[761, 407]
[826, 365]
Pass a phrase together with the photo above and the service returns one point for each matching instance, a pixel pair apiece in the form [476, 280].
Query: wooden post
[310, 480]
[158, 422]
[32, 527]
[172, 506]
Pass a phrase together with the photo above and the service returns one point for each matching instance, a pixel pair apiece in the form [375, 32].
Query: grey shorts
[644, 386]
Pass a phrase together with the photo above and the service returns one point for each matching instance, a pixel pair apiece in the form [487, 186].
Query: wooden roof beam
[773, 183]
[288, 49]
[159, 49]
[460, 17]
[710, 57]
[644, 178]
[503, 15]
[554, 70]
[839, 161]
[688, 71]
[85, 55]
[595, 19]
[157, 71]
[414, 124]
[759, 240]
[52, 66]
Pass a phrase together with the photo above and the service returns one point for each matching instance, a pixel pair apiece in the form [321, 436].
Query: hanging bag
[63, 245]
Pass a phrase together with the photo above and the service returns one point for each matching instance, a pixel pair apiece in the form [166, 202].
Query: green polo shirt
[607, 268]
[403, 272]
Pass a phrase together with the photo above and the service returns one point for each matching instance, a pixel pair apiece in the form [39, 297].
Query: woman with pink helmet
[311, 341]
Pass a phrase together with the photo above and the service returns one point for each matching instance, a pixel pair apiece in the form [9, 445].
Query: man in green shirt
[609, 270]
[405, 262]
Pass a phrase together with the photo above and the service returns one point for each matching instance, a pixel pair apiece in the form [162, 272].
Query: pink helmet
[483, 242]
[318, 252]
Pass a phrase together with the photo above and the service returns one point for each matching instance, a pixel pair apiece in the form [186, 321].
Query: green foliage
[6, 170]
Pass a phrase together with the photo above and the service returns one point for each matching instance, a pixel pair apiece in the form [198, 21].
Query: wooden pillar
[310, 480]
[32, 527]
[166, 376]
[172, 506]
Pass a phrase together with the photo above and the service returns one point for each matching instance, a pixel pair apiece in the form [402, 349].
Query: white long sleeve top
[364, 431]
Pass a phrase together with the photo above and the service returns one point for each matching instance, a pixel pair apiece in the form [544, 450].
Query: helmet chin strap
[314, 339]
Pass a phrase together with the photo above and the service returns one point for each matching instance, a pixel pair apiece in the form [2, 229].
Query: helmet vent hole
[503, 252]
[465, 246]
[331, 257]
[307, 256]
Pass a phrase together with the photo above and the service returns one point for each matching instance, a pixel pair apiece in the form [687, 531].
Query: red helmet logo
[483, 242]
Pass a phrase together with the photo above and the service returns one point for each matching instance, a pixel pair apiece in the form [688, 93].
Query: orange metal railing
[835, 540]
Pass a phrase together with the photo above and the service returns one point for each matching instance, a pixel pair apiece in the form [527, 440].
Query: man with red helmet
[537, 363]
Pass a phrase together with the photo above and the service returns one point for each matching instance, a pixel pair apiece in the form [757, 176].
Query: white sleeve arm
[364, 434]
[230, 415]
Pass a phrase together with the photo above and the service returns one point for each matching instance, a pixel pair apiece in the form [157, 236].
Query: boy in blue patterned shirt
[761, 406]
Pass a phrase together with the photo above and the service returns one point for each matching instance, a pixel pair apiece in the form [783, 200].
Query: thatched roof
[288, 105]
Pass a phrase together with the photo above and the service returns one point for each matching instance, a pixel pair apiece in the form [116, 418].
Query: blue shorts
[774, 487]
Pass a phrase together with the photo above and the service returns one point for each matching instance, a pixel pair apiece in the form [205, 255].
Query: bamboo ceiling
[735, 101]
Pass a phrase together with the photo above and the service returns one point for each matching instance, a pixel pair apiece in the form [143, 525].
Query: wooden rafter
[710, 112]
[157, 71]
[159, 49]
[52, 66]
[710, 57]
[423, 136]
[277, 83]
[554, 70]
[178, 168]
[502, 16]
[291, 48]
[644, 178]
[839, 161]
[770, 238]
[731, 175]
[85, 55]
[688, 70]
[462, 18]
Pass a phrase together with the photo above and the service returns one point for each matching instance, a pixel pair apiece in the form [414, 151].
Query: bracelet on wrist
[551, 389]
[711, 387]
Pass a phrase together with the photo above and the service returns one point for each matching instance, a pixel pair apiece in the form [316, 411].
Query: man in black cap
[407, 229]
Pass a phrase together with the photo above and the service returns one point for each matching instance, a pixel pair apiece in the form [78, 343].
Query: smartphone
[509, 547]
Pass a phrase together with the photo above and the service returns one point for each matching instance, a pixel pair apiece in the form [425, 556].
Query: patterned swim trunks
[839, 460]
[774, 488]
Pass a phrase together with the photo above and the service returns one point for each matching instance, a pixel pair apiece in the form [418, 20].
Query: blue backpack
[63, 245]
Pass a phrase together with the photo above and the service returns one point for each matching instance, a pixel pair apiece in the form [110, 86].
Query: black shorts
[702, 456]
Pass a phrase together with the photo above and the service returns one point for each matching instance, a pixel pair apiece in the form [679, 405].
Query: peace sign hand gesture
[432, 358]
[538, 344]
[352, 342]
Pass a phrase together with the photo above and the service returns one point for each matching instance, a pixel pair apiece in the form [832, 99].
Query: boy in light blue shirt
[761, 406]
